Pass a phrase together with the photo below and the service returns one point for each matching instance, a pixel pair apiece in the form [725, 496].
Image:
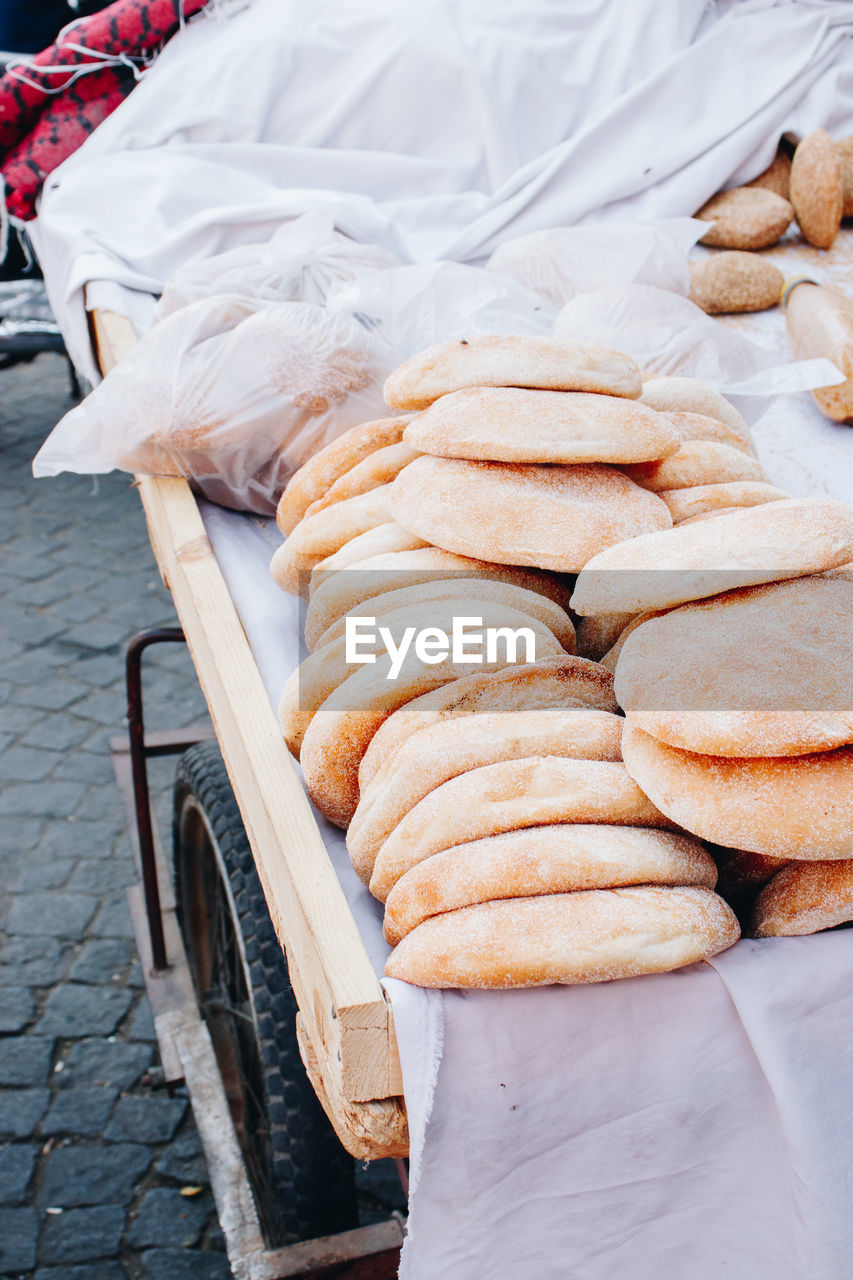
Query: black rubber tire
[303, 1179]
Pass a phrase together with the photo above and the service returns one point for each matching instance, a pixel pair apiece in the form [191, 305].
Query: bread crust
[697, 462]
[379, 467]
[701, 499]
[745, 218]
[321, 535]
[817, 188]
[693, 395]
[805, 897]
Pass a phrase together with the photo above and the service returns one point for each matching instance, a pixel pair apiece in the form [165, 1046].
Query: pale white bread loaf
[764, 671]
[805, 897]
[692, 395]
[697, 462]
[499, 360]
[380, 467]
[549, 517]
[335, 594]
[594, 637]
[788, 807]
[505, 796]
[378, 541]
[463, 590]
[611, 658]
[593, 936]
[700, 426]
[567, 857]
[566, 681]
[321, 535]
[323, 671]
[701, 499]
[842, 571]
[450, 747]
[744, 547]
[340, 731]
[510, 424]
[319, 473]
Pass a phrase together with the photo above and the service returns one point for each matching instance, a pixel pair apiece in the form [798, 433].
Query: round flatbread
[321, 535]
[502, 360]
[380, 467]
[567, 857]
[552, 682]
[549, 517]
[703, 499]
[788, 807]
[593, 936]
[448, 748]
[805, 897]
[692, 395]
[509, 424]
[700, 426]
[697, 462]
[503, 797]
[382, 539]
[768, 543]
[764, 671]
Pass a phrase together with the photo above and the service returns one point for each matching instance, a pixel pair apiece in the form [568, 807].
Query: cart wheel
[301, 1177]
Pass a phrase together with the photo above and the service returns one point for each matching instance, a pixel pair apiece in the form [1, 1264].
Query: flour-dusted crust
[745, 218]
[593, 936]
[764, 671]
[805, 897]
[509, 424]
[788, 807]
[448, 748]
[777, 176]
[553, 682]
[380, 467]
[565, 857]
[319, 473]
[845, 155]
[693, 395]
[701, 426]
[378, 541]
[817, 188]
[777, 540]
[697, 462]
[499, 360]
[321, 535]
[550, 517]
[733, 281]
[703, 499]
[502, 797]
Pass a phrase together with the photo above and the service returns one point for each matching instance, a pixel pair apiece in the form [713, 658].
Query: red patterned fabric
[48, 108]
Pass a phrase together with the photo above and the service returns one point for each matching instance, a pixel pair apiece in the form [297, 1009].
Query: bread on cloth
[697, 462]
[700, 426]
[593, 936]
[805, 897]
[379, 467]
[693, 395]
[448, 748]
[502, 797]
[378, 541]
[510, 424]
[817, 188]
[763, 671]
[319, 473]
[566, 681]
[502, 360]
[844, 147]
[777, 176]
[566, 857]
[744, 547]
[733, 281]
[550, 517]
[467, 590]
[700, 499]
[321, 535]
[745, 218]
[787, 807]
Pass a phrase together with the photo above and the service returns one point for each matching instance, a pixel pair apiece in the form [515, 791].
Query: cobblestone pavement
[92, 1159]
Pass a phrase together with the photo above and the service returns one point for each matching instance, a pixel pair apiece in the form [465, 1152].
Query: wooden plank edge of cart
[345, 1027]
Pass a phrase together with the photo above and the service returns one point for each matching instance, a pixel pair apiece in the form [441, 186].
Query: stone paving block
[107, 708]
[17, 718]
[74, 1010]
[79, 838]
[103, 876]
[25, 1060]
[184, 1161]
[81, 1112]
[109, 1062]
[20, 835]
[37, 876]
[96, 1271]
[83, 765]
[57, 732]
[18, 1233]
[145, 1119]
[169, 1220]
[113, 921]
[142, 1023]
[58, 915]
[37, 962]
[101, 633]
[16, 1169]
[27, 569]
[82, 1234]
[55, 693]
[76, 608]
[176, 1264]
[96, 1175]
[44, 591]
[39, 628]
[102, 961]
[49, 799]
[16, 1008]
[101, 670]
[27, 764]
[33, 665]
[21, 1110]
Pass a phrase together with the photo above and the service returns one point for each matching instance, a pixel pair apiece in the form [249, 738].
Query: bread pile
[491, 812]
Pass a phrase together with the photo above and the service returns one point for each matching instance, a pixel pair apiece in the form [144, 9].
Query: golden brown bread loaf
[692, 395]
[733, 281]
[700, 426]
[701, 499]
[817, 189]
[380, 467]
[845, 155]
[805, 897]
[745, 218]
[777, 176]
[697, 462]
[319, 536]
[381, 540]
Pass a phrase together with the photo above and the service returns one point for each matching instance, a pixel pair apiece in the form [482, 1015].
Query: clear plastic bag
[232, 393]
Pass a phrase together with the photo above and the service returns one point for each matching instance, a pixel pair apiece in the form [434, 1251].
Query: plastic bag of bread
[232, 393]
[303, 261]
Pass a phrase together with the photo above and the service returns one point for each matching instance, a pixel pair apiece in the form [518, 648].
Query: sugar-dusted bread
[448, 748]
[381, 540]
[817, 188]
[550, 517]
[566, 857]
[697, 462]
[552, 682]
[319, 473]
[611, 658]
[777, 540]
[700, 426]
[592, 936]
[321, 535]
[733, 281]
[701, 499]
[763, 671]
[380, 467]
[788, 807]
[745, 218]
[508, 361]
[693, 395]
[510, 424]
[502, 797]
[805, 897]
